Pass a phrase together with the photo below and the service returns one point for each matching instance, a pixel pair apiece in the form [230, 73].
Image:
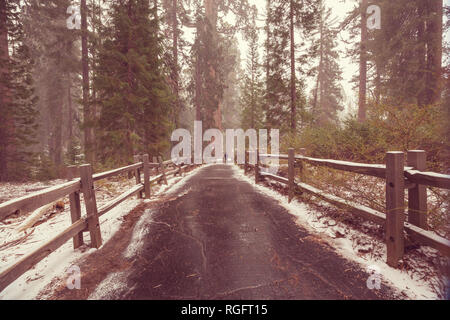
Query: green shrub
[388, 128]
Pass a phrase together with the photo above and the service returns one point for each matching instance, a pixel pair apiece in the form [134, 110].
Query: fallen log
[35, 216]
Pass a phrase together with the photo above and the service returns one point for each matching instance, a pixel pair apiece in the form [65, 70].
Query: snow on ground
[343, 239]
[111, 287]
[11, 190]
[14, 245]
[141, 227]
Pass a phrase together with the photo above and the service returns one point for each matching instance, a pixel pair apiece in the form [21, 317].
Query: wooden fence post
[87, 186]
[137, 174]
[163, 169]
[257, 166]
[246, 156]
[75, 206]
[417, 196]
[157, 169]
[291, 159]
[395, 216]
[300, 165]
[147, 187]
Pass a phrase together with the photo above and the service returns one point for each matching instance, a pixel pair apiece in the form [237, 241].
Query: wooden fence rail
[90, 222]
[398, 178]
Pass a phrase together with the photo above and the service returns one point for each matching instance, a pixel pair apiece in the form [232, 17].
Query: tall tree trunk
[421, 52]
[70, 112]
[211, 7]
[253, 98]
[293, 91]
[56, 98]
[58, 120]
[267, 62]
[378, 83]
[130, 79]
[5, 94]
[211, 13]
[362, 107]
[198, 79]
[175, 62]
[88, 130]
[318, 91]
[434, 51]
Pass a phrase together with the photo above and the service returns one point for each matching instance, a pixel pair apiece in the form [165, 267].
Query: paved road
[220, 239]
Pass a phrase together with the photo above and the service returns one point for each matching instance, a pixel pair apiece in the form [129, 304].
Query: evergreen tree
[209, 75]
[327, 94]
[131, 87]
[404, 56]
[56, 73]
[231, 95]
[252, 85]
[286, 21]
[17, 100]
[209, 60]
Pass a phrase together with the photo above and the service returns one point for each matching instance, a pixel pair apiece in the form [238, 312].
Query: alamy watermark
[234, 148]
[374, 17]
[74, 279]
[374, 280]
[74, 21]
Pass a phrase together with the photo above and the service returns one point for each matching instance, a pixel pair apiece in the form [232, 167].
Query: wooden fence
[84, 184]
[398, 178]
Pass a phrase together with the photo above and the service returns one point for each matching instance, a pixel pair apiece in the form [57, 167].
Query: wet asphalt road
[217, 238]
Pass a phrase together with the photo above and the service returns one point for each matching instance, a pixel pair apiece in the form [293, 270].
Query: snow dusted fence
[398, 179]
[82, 181]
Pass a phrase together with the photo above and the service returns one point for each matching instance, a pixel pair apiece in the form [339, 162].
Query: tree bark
[434, 51]
[175, 62]
[267, 62]
[318, 91]
[6, 121]
[88, 130]
[253, 102]
[363, 65]
[293, 91]
[421, 52]
[198, 80]
[70, 112]
[211, 13]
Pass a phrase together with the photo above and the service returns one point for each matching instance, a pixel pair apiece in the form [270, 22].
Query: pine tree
[403, 58]
[209, 76]
[286, 20]
[131, 87]
[56, 73]
[17, 100]
[327, 94]
[89, 139]
[209, 56]
[252, 85]
[231, 95]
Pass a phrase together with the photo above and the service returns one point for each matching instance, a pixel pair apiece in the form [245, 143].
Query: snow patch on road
[139, 232]
[141, 228]
[333, 232]
[112, 287]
